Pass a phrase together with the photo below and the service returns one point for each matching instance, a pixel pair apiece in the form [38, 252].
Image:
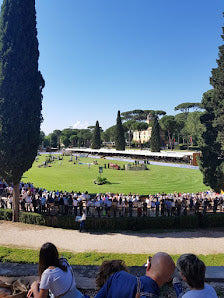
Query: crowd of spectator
[40, 200]
[114, 281]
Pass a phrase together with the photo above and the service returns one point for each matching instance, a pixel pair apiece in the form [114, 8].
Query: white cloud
[81, 125]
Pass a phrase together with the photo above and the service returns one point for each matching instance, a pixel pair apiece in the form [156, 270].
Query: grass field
[78, 177]
[94, 258]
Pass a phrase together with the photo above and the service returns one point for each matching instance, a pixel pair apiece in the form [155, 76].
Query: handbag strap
[70, 268]
[139, 293]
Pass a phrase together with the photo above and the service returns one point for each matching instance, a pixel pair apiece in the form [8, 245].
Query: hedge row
[121, 223]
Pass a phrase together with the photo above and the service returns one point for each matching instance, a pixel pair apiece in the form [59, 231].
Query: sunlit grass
[65, 175]
[12, 255]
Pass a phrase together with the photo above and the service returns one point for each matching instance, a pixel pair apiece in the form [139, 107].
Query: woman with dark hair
[55, 276]
[107, 269]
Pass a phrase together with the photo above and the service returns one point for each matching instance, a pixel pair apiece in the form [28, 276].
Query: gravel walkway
[30, 236]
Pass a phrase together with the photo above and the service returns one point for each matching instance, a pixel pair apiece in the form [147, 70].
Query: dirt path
[30, 236]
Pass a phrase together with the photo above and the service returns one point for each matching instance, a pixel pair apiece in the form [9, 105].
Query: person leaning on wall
[192, 271]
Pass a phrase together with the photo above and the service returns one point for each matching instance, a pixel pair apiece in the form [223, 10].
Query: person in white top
[82, 221]
[56, 276]
[192, 271]
[75, 205]
[28, 201]
[10, 200]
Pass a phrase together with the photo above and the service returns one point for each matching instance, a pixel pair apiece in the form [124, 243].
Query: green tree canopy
[109, 134]
[194, 127]
[186, 106]
[141, 115]
[65, 139]
[134, 119]
[168, 123]
[53, 140]
[73, 139]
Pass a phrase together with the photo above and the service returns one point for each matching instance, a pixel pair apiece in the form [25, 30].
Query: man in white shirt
[75, 205]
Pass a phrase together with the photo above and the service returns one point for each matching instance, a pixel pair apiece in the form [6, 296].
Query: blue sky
[101, 56]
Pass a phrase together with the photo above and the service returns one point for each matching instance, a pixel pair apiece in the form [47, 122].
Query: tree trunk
[15, 211]
[187, 144]
[170, 142]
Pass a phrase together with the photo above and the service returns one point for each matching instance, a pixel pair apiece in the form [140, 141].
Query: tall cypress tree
[212, 160]
[217, 81]
[119, 134]
[21, 86]
[96, 139]
[155, 143]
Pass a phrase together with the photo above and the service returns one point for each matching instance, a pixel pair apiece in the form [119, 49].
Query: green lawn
[94, 258]
[69, 176]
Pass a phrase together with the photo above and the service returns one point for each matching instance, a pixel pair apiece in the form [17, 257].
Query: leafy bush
[197, 148]
[181, 147]
[184, 147]
[214, 220]
[32, 218]
[66, 222]
[5, 214]
[120, 223]
[100, 180]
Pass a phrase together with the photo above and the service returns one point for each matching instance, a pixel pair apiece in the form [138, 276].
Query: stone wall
[85, 277]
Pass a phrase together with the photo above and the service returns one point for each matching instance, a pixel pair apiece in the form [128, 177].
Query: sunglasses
[148, 261]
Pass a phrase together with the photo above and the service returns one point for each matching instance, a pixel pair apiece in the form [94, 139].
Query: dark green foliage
[65, 140]
[21, 85]
[32, 218]
[217, 81]
[5, 214]
[212, 161]
[184, 147]
[211, 164]
[141, 115]
[70, 137]
[138, 115]
[101, 180]
[168, 124]
[194, 128]
[53, 140]
[155, 136]
[181, 147]
[121, 223]
[96, 139]
[134, 120]
[186, 106]
[42, 136]
[109, 134]
[119, 134]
